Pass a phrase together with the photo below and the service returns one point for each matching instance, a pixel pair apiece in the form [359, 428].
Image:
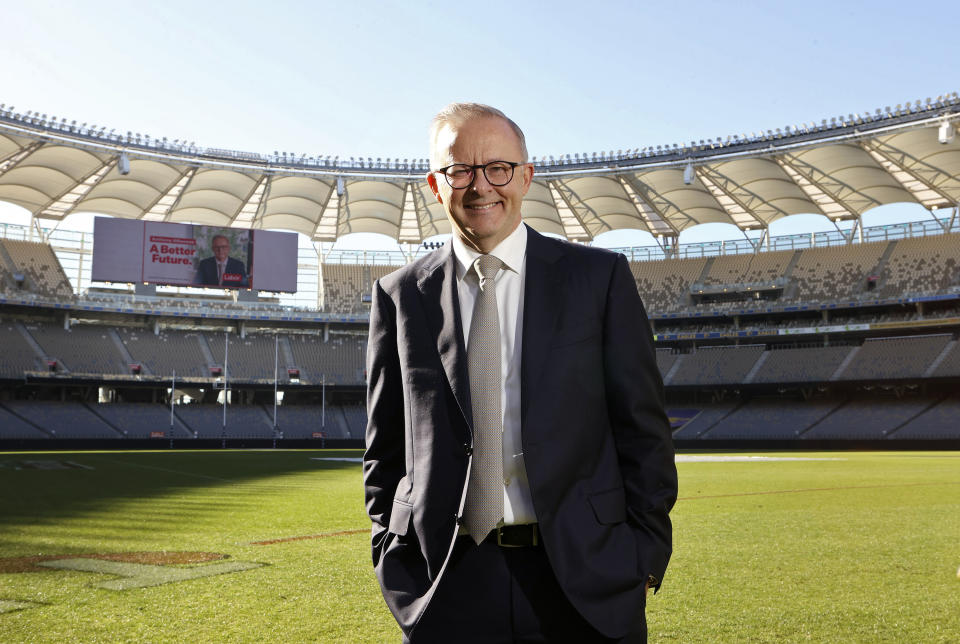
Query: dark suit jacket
[207, 272]
[596, 440]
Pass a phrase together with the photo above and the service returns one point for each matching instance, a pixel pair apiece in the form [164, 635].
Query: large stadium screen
[127, 250]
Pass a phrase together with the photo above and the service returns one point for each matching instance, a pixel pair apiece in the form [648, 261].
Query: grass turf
[860, 547]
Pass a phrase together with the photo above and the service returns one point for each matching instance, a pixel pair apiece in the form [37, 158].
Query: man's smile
[481, 206]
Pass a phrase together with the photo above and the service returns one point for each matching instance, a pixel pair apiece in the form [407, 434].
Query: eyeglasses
[497, 173]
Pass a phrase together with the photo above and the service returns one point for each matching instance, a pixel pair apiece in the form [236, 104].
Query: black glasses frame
[473, 173]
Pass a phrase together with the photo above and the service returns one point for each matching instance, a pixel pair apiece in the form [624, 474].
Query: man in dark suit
[526, 502]
[221, 269]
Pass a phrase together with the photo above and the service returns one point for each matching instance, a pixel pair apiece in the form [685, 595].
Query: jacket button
[458, 518]
[468, 449]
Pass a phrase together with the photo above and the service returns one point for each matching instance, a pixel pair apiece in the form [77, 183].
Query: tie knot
[487, 267]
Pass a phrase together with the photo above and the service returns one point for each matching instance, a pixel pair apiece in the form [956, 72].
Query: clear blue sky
[364, 78]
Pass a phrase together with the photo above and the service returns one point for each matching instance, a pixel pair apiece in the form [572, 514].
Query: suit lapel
[542, 304]
[438, 293]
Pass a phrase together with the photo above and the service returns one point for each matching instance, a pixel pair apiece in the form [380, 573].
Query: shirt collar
[510, 251]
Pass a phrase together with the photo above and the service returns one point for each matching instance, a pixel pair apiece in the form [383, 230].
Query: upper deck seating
[664, 285]
[922, 265]
[40, 267]
[835, 273]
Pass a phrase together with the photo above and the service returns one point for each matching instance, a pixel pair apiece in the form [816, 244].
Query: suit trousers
[491, 594]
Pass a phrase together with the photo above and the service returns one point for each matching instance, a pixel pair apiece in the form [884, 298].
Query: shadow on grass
[43, 488]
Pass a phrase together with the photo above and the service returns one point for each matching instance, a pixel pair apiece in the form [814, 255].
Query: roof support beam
[920, 179]
[670, 244]
[571, 211]
[65, 203]
[820, 187]
[424, 220]
[848, 237]
[328, 223]
[253, 206]
[653, 219]
[739, 203]
[160, 209]
[13, 159]
[410, 230]
[657, 203]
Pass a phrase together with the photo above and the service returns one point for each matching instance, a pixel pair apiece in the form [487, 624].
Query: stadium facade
[828, 338]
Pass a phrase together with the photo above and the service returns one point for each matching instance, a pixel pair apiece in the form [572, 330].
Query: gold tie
[484, 504]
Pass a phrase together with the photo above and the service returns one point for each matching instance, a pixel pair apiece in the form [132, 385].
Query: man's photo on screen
[225, 261]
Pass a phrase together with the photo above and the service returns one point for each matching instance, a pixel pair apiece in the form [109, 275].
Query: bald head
[453, 116]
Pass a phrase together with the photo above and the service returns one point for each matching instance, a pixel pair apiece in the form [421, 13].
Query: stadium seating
[251, 358]
[207, 421]
[18, 356]
[665, 285]
[64, 419]
[167, 352]
[709, 416]
[867, 419]
[39, 265]
[748, 268]
[665, 361]
[340, 360]
[939, 421]
[716, 365]
[889, 358]
[769, 419]
[13, 426]
[141, 420]
[950, 362]
[810, 364]
[835, 273]
[304, 421]
[757, 383]
[921, 265]
[356, 416]
[81, 349]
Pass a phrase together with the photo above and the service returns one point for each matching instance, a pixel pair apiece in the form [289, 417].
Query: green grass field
[857, 547]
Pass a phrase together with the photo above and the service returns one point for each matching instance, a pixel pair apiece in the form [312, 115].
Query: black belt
[516, 536]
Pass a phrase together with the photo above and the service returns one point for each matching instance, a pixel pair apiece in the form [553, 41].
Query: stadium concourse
[822, 339]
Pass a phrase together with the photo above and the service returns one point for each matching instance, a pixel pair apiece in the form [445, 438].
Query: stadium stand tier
[810, 345]
[38, 265]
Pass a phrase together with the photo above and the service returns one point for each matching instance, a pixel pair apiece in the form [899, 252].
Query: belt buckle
[534, 538]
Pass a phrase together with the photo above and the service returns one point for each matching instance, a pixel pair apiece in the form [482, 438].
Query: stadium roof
[840, 169]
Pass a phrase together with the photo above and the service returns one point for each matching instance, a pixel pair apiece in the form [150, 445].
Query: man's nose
[479, 183]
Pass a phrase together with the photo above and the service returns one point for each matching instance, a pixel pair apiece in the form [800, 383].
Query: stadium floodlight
[946, 132]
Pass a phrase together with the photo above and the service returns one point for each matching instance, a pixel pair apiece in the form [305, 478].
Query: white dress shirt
[510, 280]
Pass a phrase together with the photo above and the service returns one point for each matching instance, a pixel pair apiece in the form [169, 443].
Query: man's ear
[432, 182]
[527, 176]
